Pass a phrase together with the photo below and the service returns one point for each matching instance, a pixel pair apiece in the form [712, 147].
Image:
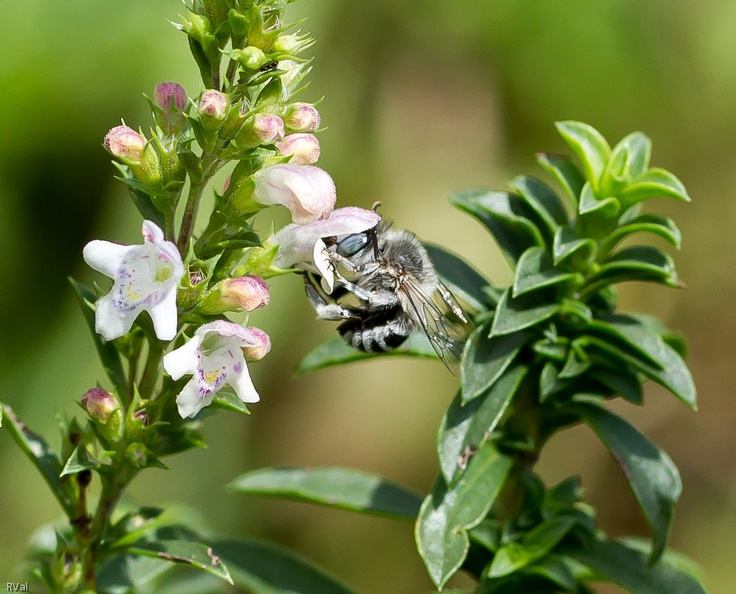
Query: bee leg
[323, 308]
[375, 300]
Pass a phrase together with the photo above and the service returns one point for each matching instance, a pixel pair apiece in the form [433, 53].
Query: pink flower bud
[268, 128]
[171, 98]
[99, 403]
[247, 292]
[303, 148]
[125, 143]
[214, 104]
[261, 344]
[302, 117]
[308, 192]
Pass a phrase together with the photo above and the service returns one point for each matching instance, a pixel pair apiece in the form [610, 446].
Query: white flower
[215, 356]
[299, 243]
[308, 192]
[145, 279]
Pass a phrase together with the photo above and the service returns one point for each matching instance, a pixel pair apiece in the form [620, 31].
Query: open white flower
[307, 191]
[296, 243]
[215, 356]
[145, 279]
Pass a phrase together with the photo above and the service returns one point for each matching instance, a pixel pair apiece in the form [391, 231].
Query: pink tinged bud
[99, 403]
[308, 192]
[261, 345]
[247, 292]
[214, 104]
[125, 143]
[302, 117]
[268, 128]
[169, 95]
[303, 148]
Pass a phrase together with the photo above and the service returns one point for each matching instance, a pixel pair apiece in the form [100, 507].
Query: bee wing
[446, 337]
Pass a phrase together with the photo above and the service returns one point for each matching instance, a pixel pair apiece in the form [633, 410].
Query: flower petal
[163, 315]
[243, 386]
[111, 322]
[105, 256]
[183, 360]
[190, 400]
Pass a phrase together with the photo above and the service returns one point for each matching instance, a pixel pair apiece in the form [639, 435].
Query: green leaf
[651, 474]
[341, 488]
[336, 351]
[228, 400]
[507, 217]
[669, 369]
[566, 172]
[448, 513]
[266, 568]
[516, 313]
[147, 521]
[664, 227]
[466, 426]
[43, 458]
[556, 569]
[107, 352]
[79, 460]
[486, 359]
[628, 568]
[607, 207]
[636, 263]
[654, 182]
[535, 270]
[589, 146]
[673, 558]
[629, 159]
[461, 278]
[580, 251]
[534, 545]
[185, 552]
[542, 199]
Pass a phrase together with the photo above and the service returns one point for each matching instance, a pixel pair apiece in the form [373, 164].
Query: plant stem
[152, 370]
[210, 164]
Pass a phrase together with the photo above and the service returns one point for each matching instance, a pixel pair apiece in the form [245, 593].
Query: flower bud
[125, 144]
[213, 105]
[261, 346]
[308, 192]
[287, 44]
[251, 57]
[171, 98]
[268, 128]
[302, 117]
[99, 403]
[246, 292]
[303, 148]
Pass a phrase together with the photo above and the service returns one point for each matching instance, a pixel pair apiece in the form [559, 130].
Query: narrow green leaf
[486, 359]
[335, 351]
[341, 488]
[516, 313]
[147, 521]
[671, 557]
[466, 426]
[653, 183]
[267, 568]
[228, 400]
[664, 227]
[651, 474]
[580, 251]
[542, 199]
[629, 569]
[556, 569]
[669, 369]
[608, 207]
[107, 352]
[566, 172]
[534, 545]
[79, 460]
[589, 146]
[461, 278]
[43, 458]
[629, 159]
[636, 263]
[185, 552]
[447, 514]
[535, 270]
[507, 217]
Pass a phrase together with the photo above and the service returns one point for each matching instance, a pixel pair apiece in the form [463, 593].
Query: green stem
[210, 164]
[152, 370]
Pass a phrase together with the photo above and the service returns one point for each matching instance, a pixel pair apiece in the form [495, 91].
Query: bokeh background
[421, 99]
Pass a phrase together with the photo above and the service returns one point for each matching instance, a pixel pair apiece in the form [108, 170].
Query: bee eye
[352, 244]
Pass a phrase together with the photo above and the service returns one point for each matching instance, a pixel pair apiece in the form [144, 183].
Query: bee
[381, 285]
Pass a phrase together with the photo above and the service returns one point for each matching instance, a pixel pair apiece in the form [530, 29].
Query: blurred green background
[421, 98]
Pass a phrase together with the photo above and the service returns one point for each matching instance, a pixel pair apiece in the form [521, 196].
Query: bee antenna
[376, 206]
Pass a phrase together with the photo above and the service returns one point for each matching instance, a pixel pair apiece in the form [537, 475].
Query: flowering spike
[145, 279]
